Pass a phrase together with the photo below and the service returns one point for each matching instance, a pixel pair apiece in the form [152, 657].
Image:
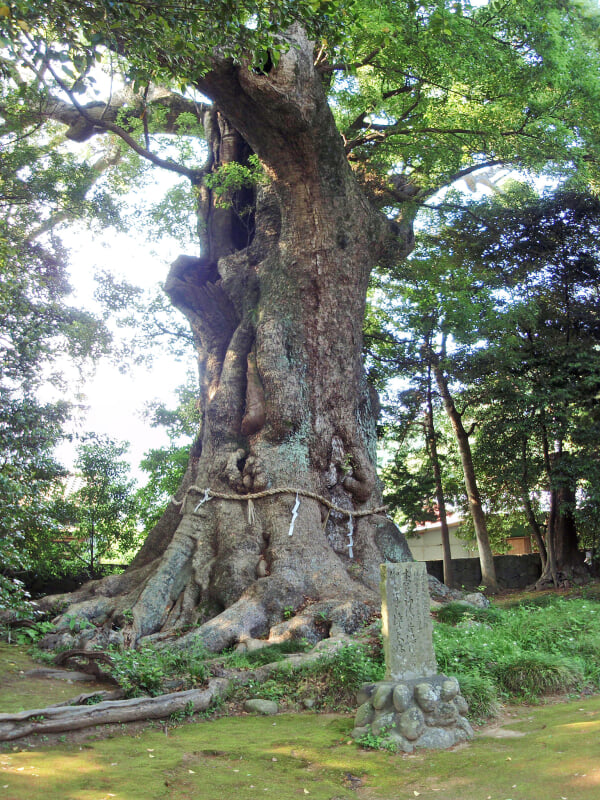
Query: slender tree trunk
[486, 559]
[550, 573]
[439, 489]
[562, 539]
[276, 303]
[92, 534]
[529, 512]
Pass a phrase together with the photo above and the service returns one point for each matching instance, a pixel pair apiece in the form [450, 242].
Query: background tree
[276, 297]
[515, 281]
[40, 330]
[416, 480]
[103, 509]
[165, 467]
[539, 375]
[431, 300]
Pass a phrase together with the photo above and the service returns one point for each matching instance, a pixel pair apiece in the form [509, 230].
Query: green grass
[19, 692]
[525, 650]
[554, 752]
[521, 651]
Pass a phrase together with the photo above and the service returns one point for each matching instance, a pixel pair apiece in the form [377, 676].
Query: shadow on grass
[557, 754]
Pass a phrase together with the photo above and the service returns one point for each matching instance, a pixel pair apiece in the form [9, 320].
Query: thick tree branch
[104, 125]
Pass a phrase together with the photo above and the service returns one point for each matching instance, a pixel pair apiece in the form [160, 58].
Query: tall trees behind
[512, 304]
[322, 128]
[38, 328]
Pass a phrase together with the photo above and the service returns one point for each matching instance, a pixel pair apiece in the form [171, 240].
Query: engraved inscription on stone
[406, 624]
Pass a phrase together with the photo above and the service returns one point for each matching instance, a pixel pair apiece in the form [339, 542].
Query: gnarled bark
[275, 303]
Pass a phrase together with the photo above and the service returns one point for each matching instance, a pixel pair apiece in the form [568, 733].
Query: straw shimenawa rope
[210, 493]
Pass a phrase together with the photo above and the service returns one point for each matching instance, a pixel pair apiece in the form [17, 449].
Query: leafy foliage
[104, 507]
[330, 682]
[419, 94]
[144, 671]
[524, 651]
[166, 467]
[38, 327]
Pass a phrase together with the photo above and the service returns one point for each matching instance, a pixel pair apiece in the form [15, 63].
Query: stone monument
[414, 706]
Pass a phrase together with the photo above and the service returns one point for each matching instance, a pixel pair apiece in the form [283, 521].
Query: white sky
[115, 399]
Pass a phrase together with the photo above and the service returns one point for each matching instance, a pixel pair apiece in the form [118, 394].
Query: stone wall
[513, 572]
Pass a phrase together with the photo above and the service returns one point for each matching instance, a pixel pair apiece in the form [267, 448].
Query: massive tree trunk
[275, 303]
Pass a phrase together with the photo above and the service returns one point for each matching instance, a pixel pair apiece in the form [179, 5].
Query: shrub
[271, 653]
[524, 651]
[481, 693]
[455, 612]
[145, 670]
[331, 682]
[535, 674]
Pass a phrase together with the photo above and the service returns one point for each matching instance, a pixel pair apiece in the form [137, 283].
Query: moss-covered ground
[546, 752]
[19, 692]
[549, 751]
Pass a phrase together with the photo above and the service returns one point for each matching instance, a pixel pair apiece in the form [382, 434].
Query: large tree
[40, 331]
[538, 378]
[326, 124]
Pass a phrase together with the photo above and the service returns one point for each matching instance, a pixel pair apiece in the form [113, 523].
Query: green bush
[456, 611]
[331, 682]
[528, 675]
[481, 693]
[268, 654]
[523, 651]
[144, 671]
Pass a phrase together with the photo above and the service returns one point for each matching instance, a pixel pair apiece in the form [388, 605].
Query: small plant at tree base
[187, 712]
[78, 624]
[31, 633]
[372, 741]
[93, 700]
[145, 670]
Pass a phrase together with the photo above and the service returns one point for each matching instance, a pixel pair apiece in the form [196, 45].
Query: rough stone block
[365, 715]
[450, 689]
[402, 697]
[464, 724]
[383, 723]
[445, 714]
[411, 723]
[427, 697]
[358, 733]
[437, 739]
[401, 742]
[365, 692]
[406, 727]
[461, 705]
[259, 706]
[382, 696]
[406, 622]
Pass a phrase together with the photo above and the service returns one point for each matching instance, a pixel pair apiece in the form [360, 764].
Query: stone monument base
[406, 714]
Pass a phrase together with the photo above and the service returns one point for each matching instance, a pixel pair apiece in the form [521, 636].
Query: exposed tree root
[86, 661]
[85, 698]
[61, 719]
